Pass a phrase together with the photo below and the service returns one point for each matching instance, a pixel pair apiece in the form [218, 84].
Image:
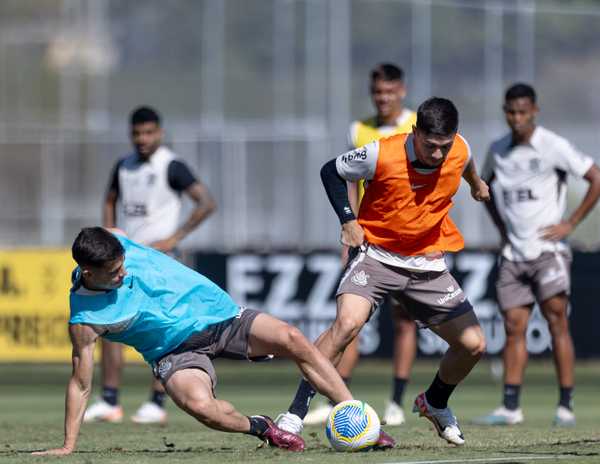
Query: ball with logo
[352, 426]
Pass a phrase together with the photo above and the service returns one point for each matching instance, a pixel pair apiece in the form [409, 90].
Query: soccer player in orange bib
[400, 237]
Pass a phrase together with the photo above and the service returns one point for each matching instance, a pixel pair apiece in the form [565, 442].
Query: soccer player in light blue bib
[179, 321]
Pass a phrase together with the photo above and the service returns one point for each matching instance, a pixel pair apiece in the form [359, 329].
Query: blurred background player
[148, 184]
[388, 91]
[527, 170]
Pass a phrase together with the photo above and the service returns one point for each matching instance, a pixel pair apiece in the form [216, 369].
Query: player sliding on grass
[403, 230]
[179, 321]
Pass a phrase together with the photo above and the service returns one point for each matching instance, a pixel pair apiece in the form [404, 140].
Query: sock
[566, 397]
[347, 382]
[304, 395]
[110, 395]
[398, 392]
[438, 393]
[511, 396]
[158, 398]
[258, 426]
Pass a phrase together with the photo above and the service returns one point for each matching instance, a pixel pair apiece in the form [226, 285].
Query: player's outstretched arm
[79, 387]
[479, 189]
[563, 229]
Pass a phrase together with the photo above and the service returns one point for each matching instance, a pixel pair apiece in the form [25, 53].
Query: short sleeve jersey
[529, 186]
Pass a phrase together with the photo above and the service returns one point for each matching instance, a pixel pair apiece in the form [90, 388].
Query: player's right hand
[353, 234]
[54, 452]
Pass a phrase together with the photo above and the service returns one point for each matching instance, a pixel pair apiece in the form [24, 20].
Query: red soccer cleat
[279, 438]
[384, 441]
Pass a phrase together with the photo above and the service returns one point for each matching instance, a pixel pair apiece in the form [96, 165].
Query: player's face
[387, 97]
[432, 150]
[520, 115]
[107, 277]
[146, 138]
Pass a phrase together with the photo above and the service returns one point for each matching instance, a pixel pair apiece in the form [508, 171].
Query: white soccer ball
[352, 426]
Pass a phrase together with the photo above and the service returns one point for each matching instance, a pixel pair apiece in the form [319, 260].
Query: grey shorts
[430, 298]
[522, 283]
[227, 339]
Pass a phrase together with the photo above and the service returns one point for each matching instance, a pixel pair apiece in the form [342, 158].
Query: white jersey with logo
[529, 187]
[149, 205]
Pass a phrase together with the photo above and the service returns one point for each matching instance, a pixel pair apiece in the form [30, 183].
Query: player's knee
[475, 345]
[293, 339]
[346, 329]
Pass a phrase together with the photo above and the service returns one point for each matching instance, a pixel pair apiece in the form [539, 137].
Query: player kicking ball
[179, 321]
[401, 235]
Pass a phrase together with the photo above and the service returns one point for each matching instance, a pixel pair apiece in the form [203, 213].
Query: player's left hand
[165, 245]
[556, 232]
[54, 452]
[480, 191]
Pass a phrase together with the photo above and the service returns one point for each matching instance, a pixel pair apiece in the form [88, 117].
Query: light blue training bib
[159, 305]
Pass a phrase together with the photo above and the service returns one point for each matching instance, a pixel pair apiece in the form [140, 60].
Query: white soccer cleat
[564, 417]
[150, 413]
[101, 411]
[393, 415]
[501, 416]
[443, 420]
[319, 414]
[289, 422]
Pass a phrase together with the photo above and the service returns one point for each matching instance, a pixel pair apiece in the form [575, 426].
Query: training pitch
[32, 404]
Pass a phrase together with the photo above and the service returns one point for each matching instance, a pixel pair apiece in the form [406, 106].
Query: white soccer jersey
[529, 187]
[150, 206]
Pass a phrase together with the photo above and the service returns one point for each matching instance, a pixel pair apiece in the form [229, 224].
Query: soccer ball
[352, 426]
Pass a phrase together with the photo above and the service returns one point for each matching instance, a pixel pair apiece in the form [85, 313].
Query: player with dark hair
[148, 186]
[388, 90]
[179, 321]
[527, 170]
[401, 235]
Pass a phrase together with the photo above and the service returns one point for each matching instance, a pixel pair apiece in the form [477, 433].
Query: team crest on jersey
[360, 278]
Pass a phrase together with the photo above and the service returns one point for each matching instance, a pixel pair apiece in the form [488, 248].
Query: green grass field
[31, 418]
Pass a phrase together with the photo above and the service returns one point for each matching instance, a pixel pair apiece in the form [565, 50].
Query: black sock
[566, 397]
[398, 393]
[304, 395]
[110, 395]
[158, 398]
[438, 393]
[511, 396]
[258, 426]
[347, 382]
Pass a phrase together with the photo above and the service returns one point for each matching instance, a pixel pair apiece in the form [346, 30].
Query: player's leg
[466, 346]
[320, 412]
[515, 299]
[152, 411]
[192, 391]
[405, 348]
[107, 408]
[269, 335]
[554, 310]
[352, 313]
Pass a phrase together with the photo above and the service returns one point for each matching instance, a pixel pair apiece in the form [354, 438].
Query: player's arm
[479, 189]
[181, 179]
[83, 339]
[563, 229]
[492, 210]
[351, 166]
[109, 207]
